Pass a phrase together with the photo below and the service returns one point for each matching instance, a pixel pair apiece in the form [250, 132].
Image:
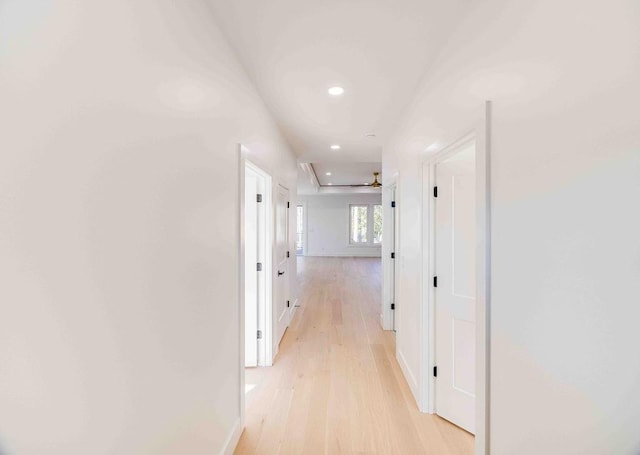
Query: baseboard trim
[373, 254]
[232, 440]
[292, 311]
[409, 376]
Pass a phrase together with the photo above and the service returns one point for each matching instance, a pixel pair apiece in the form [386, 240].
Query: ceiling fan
[375, 183]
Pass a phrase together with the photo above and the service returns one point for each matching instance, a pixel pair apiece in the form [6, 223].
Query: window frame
[370, 226]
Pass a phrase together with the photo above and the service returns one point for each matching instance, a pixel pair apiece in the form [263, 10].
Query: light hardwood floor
[336, 386]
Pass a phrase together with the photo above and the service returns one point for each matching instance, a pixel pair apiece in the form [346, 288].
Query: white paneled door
[281, 303]
[455, 288]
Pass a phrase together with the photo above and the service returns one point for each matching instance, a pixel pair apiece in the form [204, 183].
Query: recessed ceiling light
[336, 90]
[329, 183]
[370, 135]
[328, 173]
[433, 147]
[335, 147]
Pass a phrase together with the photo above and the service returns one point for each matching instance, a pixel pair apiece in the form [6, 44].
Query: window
[377, 224]
[359, 223]
[300, 230]
[365, 224]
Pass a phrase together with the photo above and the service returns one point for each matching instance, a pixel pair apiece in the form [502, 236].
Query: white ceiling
[346, 173]
[342, 173]
[378, 50]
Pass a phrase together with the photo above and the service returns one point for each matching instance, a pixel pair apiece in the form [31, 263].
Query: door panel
[463, 349]
[282, 263]
[455, 293]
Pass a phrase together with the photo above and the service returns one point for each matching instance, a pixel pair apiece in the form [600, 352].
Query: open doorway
[454, 374]
[255, 284]
[256, 231]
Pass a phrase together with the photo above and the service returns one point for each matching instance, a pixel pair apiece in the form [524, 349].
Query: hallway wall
[119, 226]
[327, 224]
[563, 77]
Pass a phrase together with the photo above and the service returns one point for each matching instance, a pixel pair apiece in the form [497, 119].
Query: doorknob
[280, 273]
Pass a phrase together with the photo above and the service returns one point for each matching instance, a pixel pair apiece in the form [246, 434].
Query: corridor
[336, 386]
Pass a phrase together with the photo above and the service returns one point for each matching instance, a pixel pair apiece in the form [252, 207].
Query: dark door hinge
[287, 254]
[288, 304]
[435, 191]
[259, 197]
[393, 306]
[259, 334]
[259, 267]
[287, 205]
[435, 281]
[435, 372]
[393, 204]
[393, 255]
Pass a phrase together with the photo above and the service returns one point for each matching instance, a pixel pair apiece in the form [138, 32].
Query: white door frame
[386, 314]
[481, 135]
[265, 353]
[265, 316]
[253, 230]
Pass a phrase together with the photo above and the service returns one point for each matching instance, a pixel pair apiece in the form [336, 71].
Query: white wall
[565, 171]
[119, 226]
[327, 224]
